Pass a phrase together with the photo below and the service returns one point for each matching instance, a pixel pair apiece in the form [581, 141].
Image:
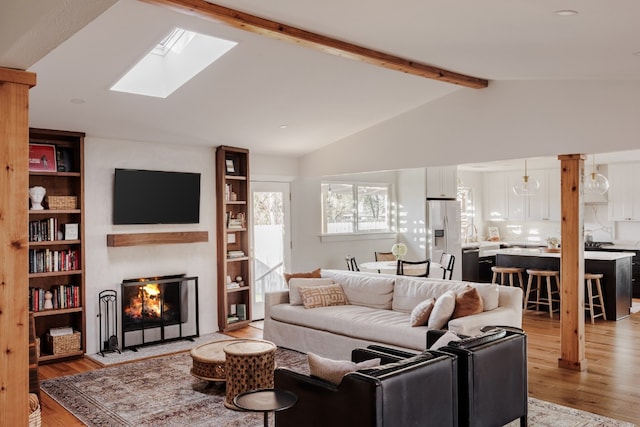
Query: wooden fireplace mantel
[137, 239]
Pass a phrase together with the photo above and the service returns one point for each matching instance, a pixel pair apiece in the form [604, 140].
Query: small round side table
[249, 365]
[265, 401]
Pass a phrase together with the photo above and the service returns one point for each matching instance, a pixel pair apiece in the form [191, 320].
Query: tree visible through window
[352, 208]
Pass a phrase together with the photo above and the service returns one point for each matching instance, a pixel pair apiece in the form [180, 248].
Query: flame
[146, 303]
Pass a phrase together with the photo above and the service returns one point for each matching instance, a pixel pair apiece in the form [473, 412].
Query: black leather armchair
[492, 376]
[406, 390]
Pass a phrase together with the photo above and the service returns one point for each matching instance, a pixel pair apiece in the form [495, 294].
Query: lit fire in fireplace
[146, 304]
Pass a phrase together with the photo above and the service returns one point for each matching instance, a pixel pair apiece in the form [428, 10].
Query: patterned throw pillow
[315, 274]
[420, 314]
[333, 370]
[296, 283]
[322, 296]
[468, 302]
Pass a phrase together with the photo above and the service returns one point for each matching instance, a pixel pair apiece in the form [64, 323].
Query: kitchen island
[615, 266]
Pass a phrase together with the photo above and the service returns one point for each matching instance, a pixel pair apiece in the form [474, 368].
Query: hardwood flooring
[608, 387]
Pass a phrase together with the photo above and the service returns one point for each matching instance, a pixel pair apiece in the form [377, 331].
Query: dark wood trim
[278, 30]
[137, 239]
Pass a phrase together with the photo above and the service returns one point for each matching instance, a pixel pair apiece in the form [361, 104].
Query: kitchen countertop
[596, 255]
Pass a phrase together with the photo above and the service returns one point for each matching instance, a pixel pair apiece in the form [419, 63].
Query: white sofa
[378, 313]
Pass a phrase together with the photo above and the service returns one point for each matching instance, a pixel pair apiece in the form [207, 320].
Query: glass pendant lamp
[527, 186]
[594, 182]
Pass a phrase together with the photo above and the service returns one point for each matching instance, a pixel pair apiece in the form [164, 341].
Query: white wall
[106, 267]
[412, 199]
[507, 120]
[309, 251]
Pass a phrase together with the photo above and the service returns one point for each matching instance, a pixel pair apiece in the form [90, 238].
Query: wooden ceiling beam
[255, 24]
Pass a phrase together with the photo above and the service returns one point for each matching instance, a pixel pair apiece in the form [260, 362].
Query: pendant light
[528, 186]
[595, 183]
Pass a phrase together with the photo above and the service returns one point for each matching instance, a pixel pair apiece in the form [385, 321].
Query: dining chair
[384, 256]
[352, 265]
[415, 265]
[447, 261]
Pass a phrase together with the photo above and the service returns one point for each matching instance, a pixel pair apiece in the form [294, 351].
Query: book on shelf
[235, 254]
[63, 330]
[231, 319]
[233, 285]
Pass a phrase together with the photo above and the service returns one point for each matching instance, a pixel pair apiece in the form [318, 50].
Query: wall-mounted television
[156, 197]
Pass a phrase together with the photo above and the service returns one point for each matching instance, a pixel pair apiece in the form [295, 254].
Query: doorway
[271, 240]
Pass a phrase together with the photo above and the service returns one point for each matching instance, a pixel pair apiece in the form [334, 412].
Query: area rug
[161, 392]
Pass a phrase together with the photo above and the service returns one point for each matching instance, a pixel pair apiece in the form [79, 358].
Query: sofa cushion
[364, 323]
[295, 283]
[490, 294]
[333, 370]
[409, 292]
[311, 274]
[367, 289]
[442, 310]
[420, 314]
[468, 302]
[322, 296]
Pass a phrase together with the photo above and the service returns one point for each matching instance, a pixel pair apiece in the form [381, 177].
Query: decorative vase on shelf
[36, 194]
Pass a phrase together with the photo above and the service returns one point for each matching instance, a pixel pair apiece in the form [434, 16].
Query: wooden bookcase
[56, 259]
[234, 255]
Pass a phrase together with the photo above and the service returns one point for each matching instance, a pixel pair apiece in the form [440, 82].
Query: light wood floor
[609, 387]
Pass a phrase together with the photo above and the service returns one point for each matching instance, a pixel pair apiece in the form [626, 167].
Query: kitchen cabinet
[501, 203]
[624, 193]
[442, 182]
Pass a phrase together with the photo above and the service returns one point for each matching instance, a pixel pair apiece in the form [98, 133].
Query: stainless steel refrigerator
[444, 234]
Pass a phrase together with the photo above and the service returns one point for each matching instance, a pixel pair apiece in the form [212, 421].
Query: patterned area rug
[161, 392]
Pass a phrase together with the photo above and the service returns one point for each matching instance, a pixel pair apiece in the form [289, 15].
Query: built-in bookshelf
[56, 234]
[234, 260]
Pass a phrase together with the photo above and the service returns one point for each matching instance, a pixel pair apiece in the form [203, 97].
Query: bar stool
[589, 278]
[540, 300]
[507, 272]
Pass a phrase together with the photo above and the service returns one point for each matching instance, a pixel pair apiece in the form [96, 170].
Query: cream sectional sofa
[378, 313]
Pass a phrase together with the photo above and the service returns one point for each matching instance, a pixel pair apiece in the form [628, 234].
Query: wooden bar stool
[549, 300]
[507, 272]
[589, 278]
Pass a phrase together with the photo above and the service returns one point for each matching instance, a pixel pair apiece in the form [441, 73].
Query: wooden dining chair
[447, 261]
[352, 265]
[415, 265]
[384, 256]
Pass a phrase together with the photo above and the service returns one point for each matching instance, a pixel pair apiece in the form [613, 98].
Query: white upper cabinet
[442, 182]
[501, 203]
[624, 192]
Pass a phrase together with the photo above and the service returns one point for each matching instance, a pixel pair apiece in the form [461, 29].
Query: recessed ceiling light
[284, 126]
[566, 12]
[175, 60]
[77, 101]
[637, 53]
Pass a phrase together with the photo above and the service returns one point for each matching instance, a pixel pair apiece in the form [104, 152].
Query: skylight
[171, 63]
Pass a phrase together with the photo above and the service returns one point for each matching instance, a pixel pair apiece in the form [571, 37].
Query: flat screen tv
[156, 197]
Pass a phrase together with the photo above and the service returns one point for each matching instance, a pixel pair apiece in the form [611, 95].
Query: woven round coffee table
[209, 360]
[249, 365]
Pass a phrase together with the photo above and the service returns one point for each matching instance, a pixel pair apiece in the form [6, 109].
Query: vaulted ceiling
[281, 98]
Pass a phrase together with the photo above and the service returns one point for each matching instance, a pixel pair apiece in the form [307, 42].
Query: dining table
[390, 267]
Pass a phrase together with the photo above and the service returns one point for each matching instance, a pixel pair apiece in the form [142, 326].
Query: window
[355, 208]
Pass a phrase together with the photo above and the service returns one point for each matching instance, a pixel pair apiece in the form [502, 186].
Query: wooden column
[14, 272]
[572, 354]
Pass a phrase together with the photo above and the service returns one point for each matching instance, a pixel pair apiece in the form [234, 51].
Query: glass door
[271, 240]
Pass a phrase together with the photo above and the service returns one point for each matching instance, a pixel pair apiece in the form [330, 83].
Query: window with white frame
[355, 208]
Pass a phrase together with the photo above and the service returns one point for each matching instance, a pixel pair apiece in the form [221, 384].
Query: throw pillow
[322, 296]
[442, 310]
[333, 370]
[490, 295]
[309, 275]
[296, 283]
[468, 302]
[420, 314]
[445, 339]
